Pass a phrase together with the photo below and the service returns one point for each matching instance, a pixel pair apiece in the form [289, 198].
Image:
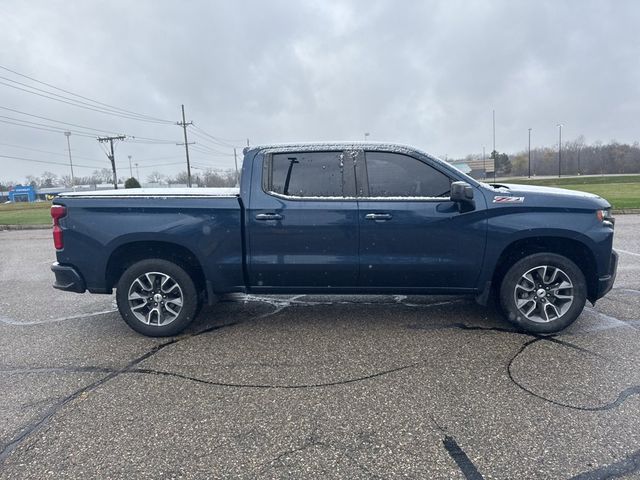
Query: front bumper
[606, 283]
[67, 278]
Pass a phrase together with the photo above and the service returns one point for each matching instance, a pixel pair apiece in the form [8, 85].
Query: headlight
[605, 217]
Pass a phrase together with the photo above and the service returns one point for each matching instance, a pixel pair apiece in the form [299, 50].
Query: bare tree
[155, 177]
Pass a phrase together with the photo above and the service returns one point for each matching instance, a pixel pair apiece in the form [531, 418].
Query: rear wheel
[543, 293]
[157, 298]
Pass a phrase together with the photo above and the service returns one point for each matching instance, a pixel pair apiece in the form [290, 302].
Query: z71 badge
[503, 199]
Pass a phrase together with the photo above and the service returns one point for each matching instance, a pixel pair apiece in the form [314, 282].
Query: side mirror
[462, 194]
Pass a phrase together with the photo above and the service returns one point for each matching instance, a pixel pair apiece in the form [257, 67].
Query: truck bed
[102, 226]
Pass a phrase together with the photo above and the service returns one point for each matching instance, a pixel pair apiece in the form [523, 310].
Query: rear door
[411, 234]
[303, 222]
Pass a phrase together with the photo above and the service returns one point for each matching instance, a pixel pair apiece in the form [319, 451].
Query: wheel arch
[575, 250]
[127, 254]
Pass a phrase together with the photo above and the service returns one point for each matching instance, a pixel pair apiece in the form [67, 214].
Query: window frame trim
[268, 178]
[364, 170]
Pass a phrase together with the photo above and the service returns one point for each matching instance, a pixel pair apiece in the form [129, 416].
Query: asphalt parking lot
[314, 387]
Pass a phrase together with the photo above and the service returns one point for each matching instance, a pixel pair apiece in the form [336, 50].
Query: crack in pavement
[275, 386]
[149, 371]
[622, 396]
[313, 440]
[37, 424]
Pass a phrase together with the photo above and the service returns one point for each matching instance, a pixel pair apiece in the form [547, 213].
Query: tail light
[57, 212]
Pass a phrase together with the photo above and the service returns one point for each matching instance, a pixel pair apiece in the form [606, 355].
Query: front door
[303, 222]
[411, 234]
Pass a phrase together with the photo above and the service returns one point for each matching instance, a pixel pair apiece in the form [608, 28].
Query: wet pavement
[314, 387]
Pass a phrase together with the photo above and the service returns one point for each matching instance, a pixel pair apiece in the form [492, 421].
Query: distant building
[475, 167]
[22, 193]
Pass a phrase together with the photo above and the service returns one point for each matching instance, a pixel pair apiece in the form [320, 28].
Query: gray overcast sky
[424, 73]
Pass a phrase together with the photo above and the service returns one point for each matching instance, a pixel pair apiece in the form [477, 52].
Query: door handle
[378, 216]
[268, 216]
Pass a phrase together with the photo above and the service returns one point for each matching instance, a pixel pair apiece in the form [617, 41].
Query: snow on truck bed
[156, 192]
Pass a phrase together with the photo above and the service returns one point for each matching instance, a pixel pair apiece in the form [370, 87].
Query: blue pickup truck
[344, 218]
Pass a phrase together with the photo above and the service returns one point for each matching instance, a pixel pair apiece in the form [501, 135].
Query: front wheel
[157, 298]
[543, 293]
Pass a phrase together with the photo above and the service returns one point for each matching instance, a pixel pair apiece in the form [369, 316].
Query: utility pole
[559, 150]
[68, 134]
[137, 173]
[186, 144]
[130, 169]
[529, 153]
[235, 159]
[112, 157]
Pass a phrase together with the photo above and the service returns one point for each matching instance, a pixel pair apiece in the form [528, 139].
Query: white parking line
[628, 252]
[11, 321]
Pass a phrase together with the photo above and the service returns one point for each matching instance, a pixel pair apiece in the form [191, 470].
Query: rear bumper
[67, 278]
[606, 283]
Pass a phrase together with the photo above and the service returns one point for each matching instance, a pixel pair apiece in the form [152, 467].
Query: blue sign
[22, 193]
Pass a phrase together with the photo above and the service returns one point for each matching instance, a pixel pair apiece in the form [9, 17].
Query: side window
[397, 175]
[306, 174]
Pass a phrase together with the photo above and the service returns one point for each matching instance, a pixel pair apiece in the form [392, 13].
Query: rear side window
[397, 175]
[308, 174]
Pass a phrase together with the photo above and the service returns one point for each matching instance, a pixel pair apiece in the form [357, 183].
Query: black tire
[173, 318]
[547, 299]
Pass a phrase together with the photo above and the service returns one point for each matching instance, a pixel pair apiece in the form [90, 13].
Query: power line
[77, 103]
[49, 162]
[102, 105]
[54, 120]
[44, 151]
[45, 125]
[228, 141]
[161, 165]
[209, 149]
[221, 141]
[203, 149]
[136, 139]
[50, 129]
[157, 158]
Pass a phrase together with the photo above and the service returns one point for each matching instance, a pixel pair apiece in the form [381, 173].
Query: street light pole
[130, 168]
[484, 163]
[494, 130]
[366, 136]
[559, 150]
[529, 153]
[68, 134]
[137, 173]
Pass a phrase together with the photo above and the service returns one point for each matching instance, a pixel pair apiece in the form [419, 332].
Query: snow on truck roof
[156, 192]
[342, 145]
